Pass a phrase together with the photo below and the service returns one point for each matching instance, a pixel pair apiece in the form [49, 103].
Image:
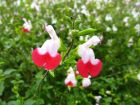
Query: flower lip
[25, 30]
[70, 84]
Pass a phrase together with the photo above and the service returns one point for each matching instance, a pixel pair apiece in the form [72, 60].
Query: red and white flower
[27, 25]
[47, 56]
[70, 80]
[88, 64]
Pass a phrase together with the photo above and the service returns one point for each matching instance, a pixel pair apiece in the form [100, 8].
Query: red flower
[88, 65]
[47, 56]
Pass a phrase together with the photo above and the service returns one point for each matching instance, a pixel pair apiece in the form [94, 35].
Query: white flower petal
[86, 82]
[94, 61]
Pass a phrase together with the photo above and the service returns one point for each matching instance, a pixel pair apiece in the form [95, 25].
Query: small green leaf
[1, 87]
[52, 73]
[67, 18]
[69, 60]
[29, 102]
[79, 77]
[87, 31]
[69, 88]
[12, 103]
[63, 47]
[1, 63]
[9, 71]
[75, 32]
[77, 22]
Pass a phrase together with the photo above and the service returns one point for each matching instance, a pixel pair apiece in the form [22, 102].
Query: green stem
[72, 42]
[42, 81]
[68, 51]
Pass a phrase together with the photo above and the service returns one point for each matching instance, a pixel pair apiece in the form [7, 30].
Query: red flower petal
[70, 84]
[25, 30]
[93, 70]
[96, 69]
[82, 68]
[52, 62]
[46, 60]
[37, 58]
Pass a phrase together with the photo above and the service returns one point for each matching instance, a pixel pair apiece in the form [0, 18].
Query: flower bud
[27, 25]
[86, 82]
[70, 80]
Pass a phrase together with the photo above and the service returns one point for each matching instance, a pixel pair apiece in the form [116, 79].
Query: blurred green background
[117, 21]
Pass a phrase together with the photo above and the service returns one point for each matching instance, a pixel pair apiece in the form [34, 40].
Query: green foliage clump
[72, 20]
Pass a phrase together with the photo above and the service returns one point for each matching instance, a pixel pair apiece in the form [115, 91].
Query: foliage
[119, 52]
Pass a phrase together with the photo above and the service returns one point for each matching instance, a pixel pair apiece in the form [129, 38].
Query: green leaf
[29, 102]
[1, 63]
[86, 32]
[67, 18]
[52, 73]
[9, 71]
[75, 32]
[12, 103]
[77, 22]
[63, 47]
[1, 87]
[69, 88]
[39, 102]
[69, 60]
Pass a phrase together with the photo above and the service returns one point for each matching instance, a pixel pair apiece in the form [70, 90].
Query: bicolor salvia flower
[27, 25]
[70, 80]
[47, 56]
[88, 65]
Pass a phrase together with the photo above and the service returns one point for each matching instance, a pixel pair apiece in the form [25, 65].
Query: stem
[68, 51]
[42, 81]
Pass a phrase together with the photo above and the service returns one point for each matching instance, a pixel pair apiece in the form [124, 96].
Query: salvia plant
[69, 52]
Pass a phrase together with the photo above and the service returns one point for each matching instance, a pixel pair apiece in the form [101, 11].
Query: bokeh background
[117, 21]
